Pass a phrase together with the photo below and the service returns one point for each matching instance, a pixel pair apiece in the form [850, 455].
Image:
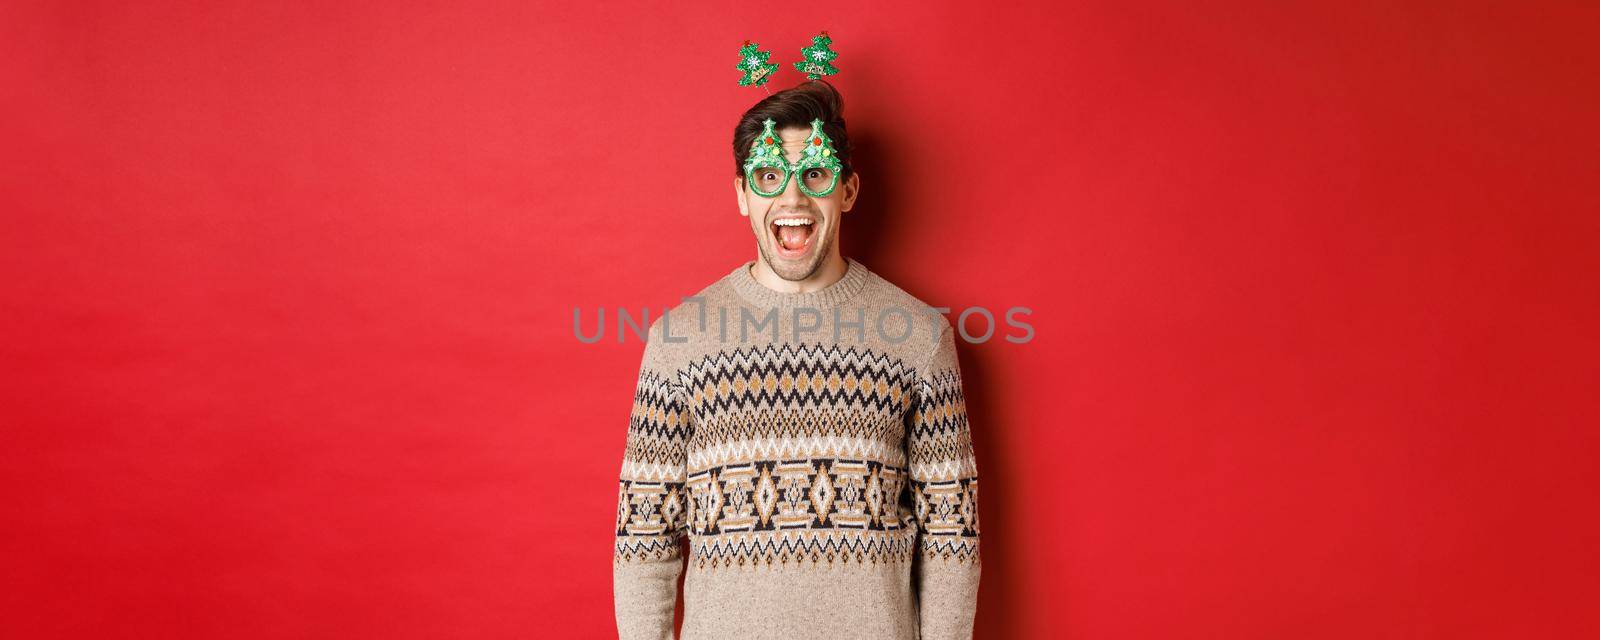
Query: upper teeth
[791, 222]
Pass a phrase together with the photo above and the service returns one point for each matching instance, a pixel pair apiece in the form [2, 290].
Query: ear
[852, 187]
[738, 194]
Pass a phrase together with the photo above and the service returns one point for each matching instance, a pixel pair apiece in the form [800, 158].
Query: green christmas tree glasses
[768, 171]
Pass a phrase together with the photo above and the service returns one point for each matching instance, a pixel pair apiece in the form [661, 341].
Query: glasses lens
[767, 181]
[818, 181]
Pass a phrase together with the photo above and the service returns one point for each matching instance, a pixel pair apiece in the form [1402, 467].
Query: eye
[814, 174]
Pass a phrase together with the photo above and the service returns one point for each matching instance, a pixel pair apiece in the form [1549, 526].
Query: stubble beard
[792, 272]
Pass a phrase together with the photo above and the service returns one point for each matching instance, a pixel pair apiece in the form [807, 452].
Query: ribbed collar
[855, 278]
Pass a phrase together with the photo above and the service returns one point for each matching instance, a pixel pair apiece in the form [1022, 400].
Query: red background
[288, 302]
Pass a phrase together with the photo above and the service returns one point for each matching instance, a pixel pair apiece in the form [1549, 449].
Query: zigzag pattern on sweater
[780, 434]
[646, 549]
[959, 550]
[658, 427]
[789, 376]
[815, 546]
[941, 441]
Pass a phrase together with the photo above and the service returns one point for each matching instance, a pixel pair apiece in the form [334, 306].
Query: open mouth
[793, 235]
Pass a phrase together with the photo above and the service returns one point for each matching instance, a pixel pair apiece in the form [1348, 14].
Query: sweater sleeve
[651, 507]
[944, 486]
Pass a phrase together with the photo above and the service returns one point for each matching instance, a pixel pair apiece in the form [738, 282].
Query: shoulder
[685, 317]
[890, 297]
[681, 329]
[896, 311]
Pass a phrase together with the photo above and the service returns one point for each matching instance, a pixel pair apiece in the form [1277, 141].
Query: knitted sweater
[814, 451]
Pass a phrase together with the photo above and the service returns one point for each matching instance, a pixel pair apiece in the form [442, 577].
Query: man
[801, 422]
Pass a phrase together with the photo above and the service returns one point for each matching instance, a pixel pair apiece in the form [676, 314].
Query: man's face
[796, 232]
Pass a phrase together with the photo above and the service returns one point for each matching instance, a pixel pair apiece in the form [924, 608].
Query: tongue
[793, 238]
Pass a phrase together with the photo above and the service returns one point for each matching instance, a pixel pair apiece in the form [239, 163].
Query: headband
[766, 169]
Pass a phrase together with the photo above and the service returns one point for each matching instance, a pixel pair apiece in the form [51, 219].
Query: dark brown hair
[796, 107]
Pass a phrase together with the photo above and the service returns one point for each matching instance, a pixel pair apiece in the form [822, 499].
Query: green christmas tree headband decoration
[753, 62]
[815, 61]
[766, 169]
[818, 58]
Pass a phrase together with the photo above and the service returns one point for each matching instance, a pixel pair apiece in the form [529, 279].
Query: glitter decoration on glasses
[768, 172]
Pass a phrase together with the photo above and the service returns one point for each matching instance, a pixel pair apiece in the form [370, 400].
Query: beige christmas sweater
[813, 452]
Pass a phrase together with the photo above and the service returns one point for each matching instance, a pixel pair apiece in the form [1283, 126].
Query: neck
[832, 269]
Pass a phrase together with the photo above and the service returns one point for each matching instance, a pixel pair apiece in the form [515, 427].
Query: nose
[791, 192]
